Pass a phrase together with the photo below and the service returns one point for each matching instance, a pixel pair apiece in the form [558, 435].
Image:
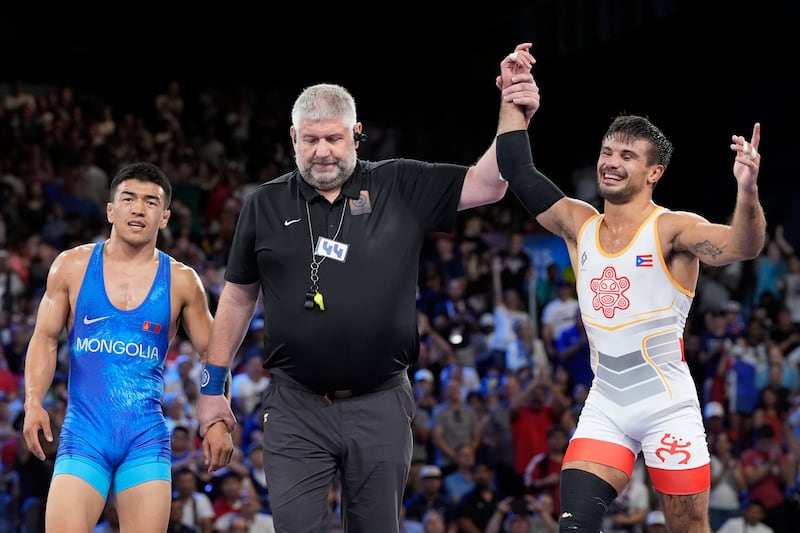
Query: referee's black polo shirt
[368, 331]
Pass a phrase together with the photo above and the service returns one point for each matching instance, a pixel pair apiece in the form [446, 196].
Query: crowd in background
[504, 359]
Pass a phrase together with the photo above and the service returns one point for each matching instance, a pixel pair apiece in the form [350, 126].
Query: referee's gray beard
[328, 182]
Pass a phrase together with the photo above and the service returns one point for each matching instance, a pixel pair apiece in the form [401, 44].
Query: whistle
[318, 301]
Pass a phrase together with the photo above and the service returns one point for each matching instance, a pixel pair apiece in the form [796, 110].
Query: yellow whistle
[318, 301]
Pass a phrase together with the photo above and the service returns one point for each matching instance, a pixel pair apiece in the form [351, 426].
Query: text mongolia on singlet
[117, 347]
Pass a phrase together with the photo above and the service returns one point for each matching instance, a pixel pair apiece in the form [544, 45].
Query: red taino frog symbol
[674, 446]
[609, 292]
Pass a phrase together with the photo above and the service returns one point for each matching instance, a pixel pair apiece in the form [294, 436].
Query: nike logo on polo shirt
[289, 222]
[89, 321]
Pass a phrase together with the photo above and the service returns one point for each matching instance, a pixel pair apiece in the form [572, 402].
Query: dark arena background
[700, 70]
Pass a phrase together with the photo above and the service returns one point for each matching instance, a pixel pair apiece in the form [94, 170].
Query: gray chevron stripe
[649, 325]
[629, 378]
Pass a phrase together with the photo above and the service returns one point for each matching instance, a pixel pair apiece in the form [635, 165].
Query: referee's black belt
[339, 394]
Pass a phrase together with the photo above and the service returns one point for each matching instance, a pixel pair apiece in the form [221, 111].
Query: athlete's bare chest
[127, 286]
[614, 240]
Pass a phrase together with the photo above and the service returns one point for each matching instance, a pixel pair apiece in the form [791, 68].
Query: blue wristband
[213, 379]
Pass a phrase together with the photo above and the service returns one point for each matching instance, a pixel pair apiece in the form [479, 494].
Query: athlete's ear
[164, 219]
[655, 174]
[110, 212]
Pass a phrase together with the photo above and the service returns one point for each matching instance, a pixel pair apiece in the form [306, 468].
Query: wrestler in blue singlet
[114, 429]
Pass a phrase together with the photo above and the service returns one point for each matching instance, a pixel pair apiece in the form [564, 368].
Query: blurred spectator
[7, 429]
[727, 482]
[498, 438]
[230, 484]
[750, 522]
[455, 424]
[18, 98]
[462, 479]
[476, 256]
[434, 522]
[523, 514]
[182, 376]
[178, 413]
[784, 332]
[176, 524]
[712, 293]
[557, 316]
[424, 383]
[184, 453]
[454, 319]
[536, 408]
[467, 377]
[767, 473]
[257, 478]
[517, 268]
[573, 354]
[248, 519]
[739, 368]
[734, 322]
[790, 285]
[508, 309]
[249, 384]
[543, 473]
[426, 401]
[476, 507]
[169, 104]
[449, 258]
[715, 342]
[12, 288]
[546, 288]
[196, 509]
[714, 420]
[429, 497]
[770, 268]
[435, 351]
[527, 350]
[771, 410]
[779, 374]
[9, 381]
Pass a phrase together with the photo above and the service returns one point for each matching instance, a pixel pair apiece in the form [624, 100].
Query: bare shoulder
[72, 261]
[683, 232]
[566, 217]
[184, 277]
[672, 223]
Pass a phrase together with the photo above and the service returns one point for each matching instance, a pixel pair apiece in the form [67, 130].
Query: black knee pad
[585, 498]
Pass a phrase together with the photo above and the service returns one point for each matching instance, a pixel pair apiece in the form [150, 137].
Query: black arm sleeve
[533, 189]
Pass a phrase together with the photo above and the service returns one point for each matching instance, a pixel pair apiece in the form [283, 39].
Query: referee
[334, 246]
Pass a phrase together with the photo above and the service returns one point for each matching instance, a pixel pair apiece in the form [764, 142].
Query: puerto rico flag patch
[151, 327]
[644, 260]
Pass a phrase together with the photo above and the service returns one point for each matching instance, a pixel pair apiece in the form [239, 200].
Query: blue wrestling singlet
[114, 429]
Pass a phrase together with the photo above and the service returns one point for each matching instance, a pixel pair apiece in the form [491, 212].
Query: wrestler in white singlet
[643, 396]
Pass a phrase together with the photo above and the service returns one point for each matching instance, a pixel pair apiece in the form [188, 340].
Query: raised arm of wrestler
[482, 184]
